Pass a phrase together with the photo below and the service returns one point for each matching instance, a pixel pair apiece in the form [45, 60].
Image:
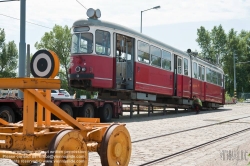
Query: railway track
[152, 162]
[155, 153]
[195, 128]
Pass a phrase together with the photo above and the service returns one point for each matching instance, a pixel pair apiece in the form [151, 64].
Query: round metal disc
[56, 65]
[98, 13]
[90, 12]
[42, 64]
[67, 148]
[115, 149]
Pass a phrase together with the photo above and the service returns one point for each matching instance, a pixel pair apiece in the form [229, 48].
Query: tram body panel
[203, 90]
[197, 88]
[99, 70]
[153, 80]
[213, 93]
[186, 83]
[180, 85]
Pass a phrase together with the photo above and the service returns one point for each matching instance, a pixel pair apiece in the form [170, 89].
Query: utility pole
[28, 61]
[235, 91]
[22, 43]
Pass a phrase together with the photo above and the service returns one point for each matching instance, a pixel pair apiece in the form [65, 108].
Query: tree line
[216, 46]
[220, 47]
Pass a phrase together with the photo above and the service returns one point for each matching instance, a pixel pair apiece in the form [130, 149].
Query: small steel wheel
[7, 114]
[67, 148]
[115, 149]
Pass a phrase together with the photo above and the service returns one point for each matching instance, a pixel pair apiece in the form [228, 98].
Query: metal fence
[244, 96]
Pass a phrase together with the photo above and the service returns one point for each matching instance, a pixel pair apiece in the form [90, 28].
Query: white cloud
[128, 13]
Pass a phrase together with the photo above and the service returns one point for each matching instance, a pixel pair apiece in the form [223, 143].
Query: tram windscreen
[102, 42]
[82, 43]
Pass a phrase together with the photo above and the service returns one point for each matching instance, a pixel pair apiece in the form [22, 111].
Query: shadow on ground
[158, 114]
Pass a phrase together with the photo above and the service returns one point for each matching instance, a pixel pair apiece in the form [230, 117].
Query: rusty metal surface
[29, 83]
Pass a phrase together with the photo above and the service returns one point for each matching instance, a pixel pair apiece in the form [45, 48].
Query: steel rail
[193, 148]
[195, 128]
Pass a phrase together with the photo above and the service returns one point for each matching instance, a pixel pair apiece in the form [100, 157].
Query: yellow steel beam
[90, 120]
[47, 112]
[29, 83]
[3, 122]
[56, 110]
[39, 115]
[28, 113]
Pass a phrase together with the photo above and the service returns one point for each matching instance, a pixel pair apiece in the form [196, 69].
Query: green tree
[59, 41]
[219, 41]
[221, 48]
[212, 44]
[205, 42]
[8, 57]
[232, 47]
[243, 64]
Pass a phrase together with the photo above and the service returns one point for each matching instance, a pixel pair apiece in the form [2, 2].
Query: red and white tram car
[121, 63]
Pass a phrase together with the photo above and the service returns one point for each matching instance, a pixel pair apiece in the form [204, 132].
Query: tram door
[178, 77]
[124, 52]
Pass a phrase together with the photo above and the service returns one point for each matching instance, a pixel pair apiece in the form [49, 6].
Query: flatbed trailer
[11, 108]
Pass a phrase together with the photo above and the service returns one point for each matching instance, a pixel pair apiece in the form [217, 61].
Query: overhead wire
[29, 21]
[8, 0]
[81, 4]
[26, 21]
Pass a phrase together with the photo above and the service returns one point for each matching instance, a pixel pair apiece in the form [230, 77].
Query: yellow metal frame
[34, 136]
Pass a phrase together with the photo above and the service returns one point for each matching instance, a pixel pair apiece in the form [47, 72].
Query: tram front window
[102, 42]
[82, 43]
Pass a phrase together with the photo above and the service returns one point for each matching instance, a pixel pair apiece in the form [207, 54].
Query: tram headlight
[78, 69]
[84, 69]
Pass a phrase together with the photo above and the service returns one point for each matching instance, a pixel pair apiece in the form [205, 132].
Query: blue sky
[175, 23]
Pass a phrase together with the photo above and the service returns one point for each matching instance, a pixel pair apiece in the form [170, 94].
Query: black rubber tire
[7, 114]
[67, 108]
[106, 113]
[87, 111]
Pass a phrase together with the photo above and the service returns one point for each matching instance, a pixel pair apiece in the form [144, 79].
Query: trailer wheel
[106, 113]
[7, 114]
[87, 111]
[67, 108]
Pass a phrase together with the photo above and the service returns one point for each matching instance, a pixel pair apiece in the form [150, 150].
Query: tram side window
[185, 66]
[203, 73]
[219, 79]
[102, 42]
[143, 52]
[155, 56]
[199, 70]
[166, 60]
[208, 71]
[179, 66]
[214, 77]
[195, 73]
